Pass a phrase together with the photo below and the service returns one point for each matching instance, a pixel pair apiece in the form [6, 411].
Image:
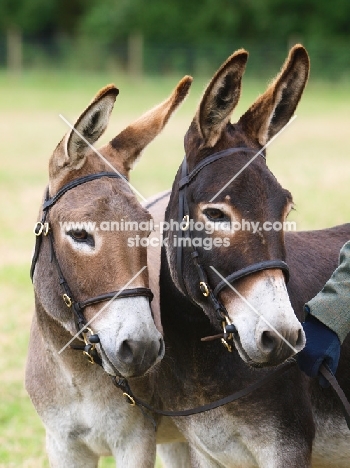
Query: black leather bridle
[184, 218]
[42, 229]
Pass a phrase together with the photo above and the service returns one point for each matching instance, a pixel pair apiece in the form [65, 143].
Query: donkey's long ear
[128, 145]
[220, 98]
[273, 109]
[71, 152]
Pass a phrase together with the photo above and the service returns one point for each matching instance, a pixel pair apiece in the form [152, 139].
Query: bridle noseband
[184, 233]
[42, 228]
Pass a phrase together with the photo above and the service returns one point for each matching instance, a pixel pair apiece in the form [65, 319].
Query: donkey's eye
[214, 214]
[80, 235]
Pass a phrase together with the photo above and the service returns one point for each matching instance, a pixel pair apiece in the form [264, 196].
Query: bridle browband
[42, 228]
[184, 218]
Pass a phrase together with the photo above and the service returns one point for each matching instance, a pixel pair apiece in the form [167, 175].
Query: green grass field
[311, 159]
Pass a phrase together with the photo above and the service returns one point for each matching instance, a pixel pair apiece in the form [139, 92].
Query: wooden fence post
[14, 50]
[135, 55]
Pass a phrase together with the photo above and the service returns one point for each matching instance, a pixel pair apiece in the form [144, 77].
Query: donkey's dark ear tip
[238, 58]
[184, 86]
[298, 47]
[109, 90]
[186, 81]
[299, 51]
[240, 54]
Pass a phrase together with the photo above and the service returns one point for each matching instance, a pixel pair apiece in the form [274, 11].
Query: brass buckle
[186, 220]
[204, 288]
[41, 228]
[67, 300]
[90, 358]
[85, 333]
[129, 399]
[227, 346]
[224, 340]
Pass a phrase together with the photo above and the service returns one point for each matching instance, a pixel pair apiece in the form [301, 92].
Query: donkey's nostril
[125, 351]
[300, 343]
[268, 341]
[161, 348]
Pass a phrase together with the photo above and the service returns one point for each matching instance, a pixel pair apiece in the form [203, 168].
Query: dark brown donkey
[77, 273]
[273, 426]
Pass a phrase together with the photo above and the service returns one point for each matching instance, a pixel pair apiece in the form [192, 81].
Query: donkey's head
[88, 236]
[242, 207]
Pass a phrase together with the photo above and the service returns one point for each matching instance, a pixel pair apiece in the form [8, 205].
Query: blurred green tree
[28, 16]
[211, 20]
[107, 24]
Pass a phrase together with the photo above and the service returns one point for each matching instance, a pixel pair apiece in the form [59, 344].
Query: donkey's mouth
[243, 354]
[131, 361]
[241, 351]
[272, 362]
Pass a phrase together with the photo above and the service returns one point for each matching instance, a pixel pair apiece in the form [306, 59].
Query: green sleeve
[332, 305]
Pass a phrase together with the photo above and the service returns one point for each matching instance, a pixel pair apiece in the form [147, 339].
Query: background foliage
[179, 21]
[178, 35]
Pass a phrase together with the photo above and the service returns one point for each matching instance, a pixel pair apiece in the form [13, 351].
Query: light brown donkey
[83, 273]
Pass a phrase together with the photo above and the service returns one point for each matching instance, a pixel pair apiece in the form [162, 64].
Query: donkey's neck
[178, 312]
[193, 372]
[53, 334]
[184, 325]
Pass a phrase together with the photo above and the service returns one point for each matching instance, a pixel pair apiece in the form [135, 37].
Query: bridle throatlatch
[42, 230]
[184, 233]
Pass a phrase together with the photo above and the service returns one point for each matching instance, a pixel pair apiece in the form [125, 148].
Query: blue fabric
[322, 346]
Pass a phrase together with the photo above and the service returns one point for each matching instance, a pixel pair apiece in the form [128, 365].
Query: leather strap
[330, 377]
[38, 240]
[180, 234]
[265, 265]
[75, 183]
[79, 318]
[186, 179]
[132, 292]
[123, 385]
